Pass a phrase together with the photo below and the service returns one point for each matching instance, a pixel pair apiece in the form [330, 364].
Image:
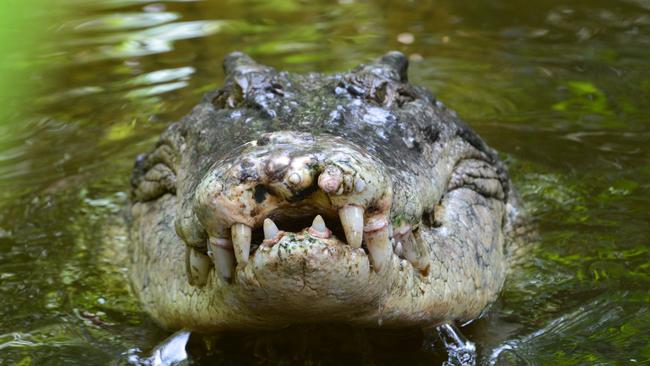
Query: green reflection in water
[15, 42]
[561, 90]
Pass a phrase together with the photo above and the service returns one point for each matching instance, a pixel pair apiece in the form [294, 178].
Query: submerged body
[351, 198]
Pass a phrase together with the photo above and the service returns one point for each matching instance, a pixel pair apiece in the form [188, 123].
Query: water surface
[561, 89]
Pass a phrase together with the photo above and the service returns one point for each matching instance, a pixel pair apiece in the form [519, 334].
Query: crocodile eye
[154, 174]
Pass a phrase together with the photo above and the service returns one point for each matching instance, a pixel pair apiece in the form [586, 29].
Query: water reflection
[122, 21]
[146, 42]
[600, 319]
[560, 89]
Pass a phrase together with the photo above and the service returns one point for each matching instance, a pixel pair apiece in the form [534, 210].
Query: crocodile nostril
[260, 193]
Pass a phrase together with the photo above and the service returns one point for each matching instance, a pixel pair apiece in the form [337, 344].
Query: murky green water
[562, 90]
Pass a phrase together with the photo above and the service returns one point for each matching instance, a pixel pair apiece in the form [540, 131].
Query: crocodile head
[350, 198]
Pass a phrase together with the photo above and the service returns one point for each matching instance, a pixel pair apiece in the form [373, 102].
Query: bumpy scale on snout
[353, 198]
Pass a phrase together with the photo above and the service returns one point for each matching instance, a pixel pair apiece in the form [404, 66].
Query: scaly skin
[439, 214]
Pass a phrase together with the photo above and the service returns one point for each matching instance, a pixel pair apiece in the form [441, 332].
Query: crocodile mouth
[318, 224]
[327, 191]
[328, 225]
[306, 226]
[285, 245]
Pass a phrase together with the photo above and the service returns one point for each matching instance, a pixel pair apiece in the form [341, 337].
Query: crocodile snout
[293, 182]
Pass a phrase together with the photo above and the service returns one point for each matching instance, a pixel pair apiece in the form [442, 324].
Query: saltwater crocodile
[355, 198]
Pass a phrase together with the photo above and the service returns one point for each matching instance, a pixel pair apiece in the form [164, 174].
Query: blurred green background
[17, 39]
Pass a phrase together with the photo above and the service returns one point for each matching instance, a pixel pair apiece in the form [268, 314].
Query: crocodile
[351, 198]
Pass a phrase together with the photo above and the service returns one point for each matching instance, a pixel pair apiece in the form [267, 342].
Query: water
[561, 90]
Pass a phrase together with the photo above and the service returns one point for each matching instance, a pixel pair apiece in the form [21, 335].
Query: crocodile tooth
[223, 257]
[319, 224]
[198, 267]
[270, 229]
[399, 251]
[379, 247]
[241, 240]
[410, 252]
[318, 228]
[352, 222]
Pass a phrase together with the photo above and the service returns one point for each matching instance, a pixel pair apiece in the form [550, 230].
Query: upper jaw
[293, 178]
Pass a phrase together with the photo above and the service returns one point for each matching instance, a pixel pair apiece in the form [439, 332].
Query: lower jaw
[303, 279]
[262, 296]
[303, 274]
[306, 280]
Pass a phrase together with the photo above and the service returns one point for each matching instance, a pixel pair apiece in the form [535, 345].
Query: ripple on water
[149, 41]
[122, 21]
